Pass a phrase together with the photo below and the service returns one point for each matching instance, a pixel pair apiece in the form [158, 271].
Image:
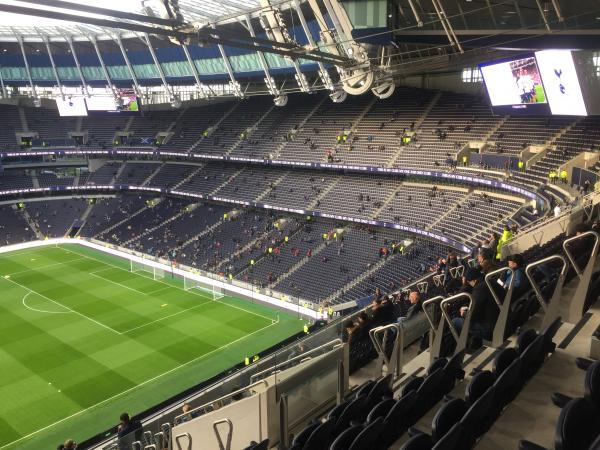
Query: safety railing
[551, 306]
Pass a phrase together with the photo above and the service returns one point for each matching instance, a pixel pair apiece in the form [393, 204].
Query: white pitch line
[117, 283]
[158, 290]
[139, 385]
[45, 267]
[170, 285]
[166, 317]
[40, 310]
[60, 304]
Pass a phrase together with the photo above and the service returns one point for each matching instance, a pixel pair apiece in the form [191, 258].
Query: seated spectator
[485, 259]
[129, 431]
[416, 306]
[382, 313]
[516, 264]
[485, 309]
[349, 332]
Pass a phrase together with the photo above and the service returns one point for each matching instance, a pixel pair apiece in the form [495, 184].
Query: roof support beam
[27, 68]
[104, 68]
[159, 68]
[4, 93]
[69, 40]
[54, 69]
[136, 85]
[323, 74]
[194, 70]
[233, 82]
[269, 81]
[104, 12]
[543, 14]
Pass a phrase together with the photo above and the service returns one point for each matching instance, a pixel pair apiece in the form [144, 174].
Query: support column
[233, 82]
[194, 71]
[28, 69]
[104, 68]
[175, 101]
[136, 85]
[54, 69]
[2, 84]
[69, 40]
[269, 81]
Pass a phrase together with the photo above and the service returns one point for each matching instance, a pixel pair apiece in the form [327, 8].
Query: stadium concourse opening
[84, 338]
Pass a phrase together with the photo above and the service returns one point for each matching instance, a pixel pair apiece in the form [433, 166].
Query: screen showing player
[561, 82]
[515, 82]
[71, 106]
[125, 103]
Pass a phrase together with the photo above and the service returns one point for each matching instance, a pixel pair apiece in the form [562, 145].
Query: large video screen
[515, 86]
[561, 82]
[71, 106]
[127, 103]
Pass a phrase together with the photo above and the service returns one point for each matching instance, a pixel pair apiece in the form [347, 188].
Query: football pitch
[83, 339]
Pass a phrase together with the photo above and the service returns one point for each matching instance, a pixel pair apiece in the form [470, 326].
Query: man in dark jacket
[129, 431]
[484, 309]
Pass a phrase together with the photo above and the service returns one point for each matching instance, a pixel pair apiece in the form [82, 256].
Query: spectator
[416, 306]
[485, 310]
[516, 264]
[129, 431]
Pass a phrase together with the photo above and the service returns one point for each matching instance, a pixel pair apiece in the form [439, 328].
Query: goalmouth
[215, 291]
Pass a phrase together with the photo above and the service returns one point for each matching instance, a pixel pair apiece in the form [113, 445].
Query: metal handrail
[246, 388]
[457, 271]
[188, 436]
[488, 278]
[443, 305]
[536, 289]
[435, 299]
[215, 426]
[575, 238]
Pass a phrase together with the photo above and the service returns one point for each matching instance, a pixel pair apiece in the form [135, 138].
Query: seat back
[504, 359]
[381, 409]
[352, 412]
[419, 442]
[304, 434]
[449, 414]
[508, 384]
[451, 440]
[478, 417]
[382, 388]
[345, 438]
[578, 426]
[429, 393]
[453, 371]
[369, 437]
[478, 385]
[524, 339]
[532, 357]
[592, 384]
[397, 421]
[321, 437]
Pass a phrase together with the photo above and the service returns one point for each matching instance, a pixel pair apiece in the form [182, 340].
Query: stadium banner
[150, 261]
[150, 151]
[119, 187]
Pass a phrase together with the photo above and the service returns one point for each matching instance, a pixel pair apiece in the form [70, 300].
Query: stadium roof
[34, 28]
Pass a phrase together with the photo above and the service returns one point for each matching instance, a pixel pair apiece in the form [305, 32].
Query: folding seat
[530, 358]
[381, 409]
[508, 385]
[479, 384]
[382, 388]
[321, 436]
[304, 434]
[345, 438]
[399, 418]
[449, 414]
[577, 428]
[428, 394]
[352, 412]
[477, 419]
[452, 371]
[369, 437]
[503, 359]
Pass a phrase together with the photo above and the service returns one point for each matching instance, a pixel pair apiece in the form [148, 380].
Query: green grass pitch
[83, 339]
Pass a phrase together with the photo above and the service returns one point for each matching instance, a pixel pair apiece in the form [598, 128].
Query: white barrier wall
[183, 273]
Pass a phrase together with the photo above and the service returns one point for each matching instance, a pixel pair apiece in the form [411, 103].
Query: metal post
[543, 14]
[556, 6]
[194, 70]
[234, 84]
[269, 81]
[129, 66]
[323, 74]
[69, 40]
[161, 73]
[104, 68]
[415, 13]
[284, 434]
[27, 68]
[2, 84]
[54, 69]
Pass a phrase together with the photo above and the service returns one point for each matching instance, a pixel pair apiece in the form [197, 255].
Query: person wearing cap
[484, 309]
[516, 266]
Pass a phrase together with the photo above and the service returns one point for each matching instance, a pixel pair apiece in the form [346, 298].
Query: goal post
[191, 283]
[141, 267]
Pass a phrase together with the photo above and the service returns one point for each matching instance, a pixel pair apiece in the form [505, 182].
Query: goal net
[215, 291]
[141, 267]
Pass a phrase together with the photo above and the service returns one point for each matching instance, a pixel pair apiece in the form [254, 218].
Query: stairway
[153, 174]
[299, 264]
[252, 129]
[189, 177]
[150, 230]
[215, 126]
[323, 193]
[112, 227]
[32, 224]
[268, 190]
[202, 233]
[222, 185]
